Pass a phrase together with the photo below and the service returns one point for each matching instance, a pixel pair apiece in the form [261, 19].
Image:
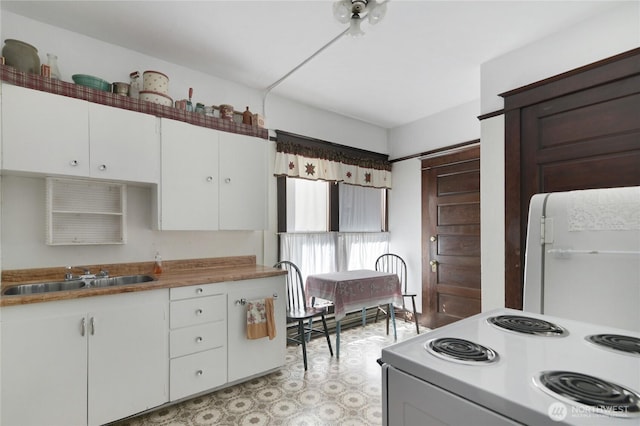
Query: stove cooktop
[511, 383]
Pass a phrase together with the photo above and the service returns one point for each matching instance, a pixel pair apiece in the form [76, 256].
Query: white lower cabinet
[198, 340]
[85, 361]
[95, 360]
[251, 357]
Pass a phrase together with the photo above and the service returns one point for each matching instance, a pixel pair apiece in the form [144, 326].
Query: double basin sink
[75, 284]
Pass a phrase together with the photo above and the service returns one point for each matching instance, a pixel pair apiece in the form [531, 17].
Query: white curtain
[359, 250]
[313, 253]
[317, 253]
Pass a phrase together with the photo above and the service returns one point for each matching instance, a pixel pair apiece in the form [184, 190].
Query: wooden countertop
[177, 273]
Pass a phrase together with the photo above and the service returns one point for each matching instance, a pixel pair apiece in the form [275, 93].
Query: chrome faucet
[86, 274]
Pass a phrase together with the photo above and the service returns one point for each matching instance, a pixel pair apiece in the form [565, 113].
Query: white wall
[595, 39]
[449, 127]
[492, 198]
[23, 239]
[404, 221]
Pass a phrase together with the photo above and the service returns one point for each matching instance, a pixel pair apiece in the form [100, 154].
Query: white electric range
[513, 377]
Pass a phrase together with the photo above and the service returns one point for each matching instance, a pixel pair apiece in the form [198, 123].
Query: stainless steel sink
[44, 287]
[124, 280]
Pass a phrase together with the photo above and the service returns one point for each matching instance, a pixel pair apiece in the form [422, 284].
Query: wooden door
[451, 237]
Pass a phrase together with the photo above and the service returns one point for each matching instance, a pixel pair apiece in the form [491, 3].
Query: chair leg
[326, 333]
[393, 319]
[388, 315]
[303, 342]
[415, 314]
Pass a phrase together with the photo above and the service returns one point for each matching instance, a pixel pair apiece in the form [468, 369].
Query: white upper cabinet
[211, 180]
[189, 183]
[243, 182]
[57, 135]
[125, 145]
[44, 133]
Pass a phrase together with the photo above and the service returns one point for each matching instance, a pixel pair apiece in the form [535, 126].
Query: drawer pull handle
[199, 373]
[199, 290]
[199, 339]
[199, 311]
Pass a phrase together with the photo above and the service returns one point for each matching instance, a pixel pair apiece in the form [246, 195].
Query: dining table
[355, 290]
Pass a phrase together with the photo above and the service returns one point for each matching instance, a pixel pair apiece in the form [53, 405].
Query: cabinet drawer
[179, 293]
[197, 338]
[198, 372]
[198, 311]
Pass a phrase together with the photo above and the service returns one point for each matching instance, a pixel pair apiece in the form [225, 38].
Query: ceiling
[423, 58]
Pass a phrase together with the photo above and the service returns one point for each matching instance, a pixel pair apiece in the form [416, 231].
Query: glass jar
[134, 87]
[52, 61]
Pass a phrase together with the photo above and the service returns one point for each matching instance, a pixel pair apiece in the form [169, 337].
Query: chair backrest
[393, 264]
[296, 299]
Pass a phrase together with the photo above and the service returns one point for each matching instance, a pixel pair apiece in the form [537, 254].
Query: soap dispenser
[157, 266]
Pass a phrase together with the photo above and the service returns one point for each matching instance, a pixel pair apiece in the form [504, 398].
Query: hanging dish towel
[260, 320]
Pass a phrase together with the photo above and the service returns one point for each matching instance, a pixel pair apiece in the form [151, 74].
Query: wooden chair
[394, 264]
[298, 311]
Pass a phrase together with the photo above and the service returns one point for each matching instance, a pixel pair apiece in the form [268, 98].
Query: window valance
[298, 156]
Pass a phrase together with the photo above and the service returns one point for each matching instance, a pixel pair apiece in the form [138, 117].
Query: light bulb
[377, 12]
[354, 27]
[342, 11]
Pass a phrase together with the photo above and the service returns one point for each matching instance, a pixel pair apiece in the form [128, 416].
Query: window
[307, 240]
[361, 209]
[307, 205]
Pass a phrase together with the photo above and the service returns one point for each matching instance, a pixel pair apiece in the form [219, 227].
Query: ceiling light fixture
[355, 11]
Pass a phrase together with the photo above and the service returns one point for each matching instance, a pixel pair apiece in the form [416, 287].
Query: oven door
[409, 401]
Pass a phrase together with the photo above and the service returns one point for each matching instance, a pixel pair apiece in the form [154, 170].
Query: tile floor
[344, 392]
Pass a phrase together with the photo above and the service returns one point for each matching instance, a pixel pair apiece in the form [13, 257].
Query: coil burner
[460, 350]
[616, 342]
[590, 393]
[528, 325]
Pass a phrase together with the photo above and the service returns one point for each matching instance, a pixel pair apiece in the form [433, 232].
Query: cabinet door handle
[102, 167]
[227, 180]
[92, 325]
[83, 326]
[209, 178]
[199, 311]
[199, 373]
[199, 339]
[73, 163]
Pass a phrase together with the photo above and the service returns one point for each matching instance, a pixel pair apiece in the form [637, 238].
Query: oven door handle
[385, 396]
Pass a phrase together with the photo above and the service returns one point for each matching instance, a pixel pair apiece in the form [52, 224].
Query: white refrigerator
[583, 256]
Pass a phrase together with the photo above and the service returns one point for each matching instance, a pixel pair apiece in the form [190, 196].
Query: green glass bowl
[92, 82]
